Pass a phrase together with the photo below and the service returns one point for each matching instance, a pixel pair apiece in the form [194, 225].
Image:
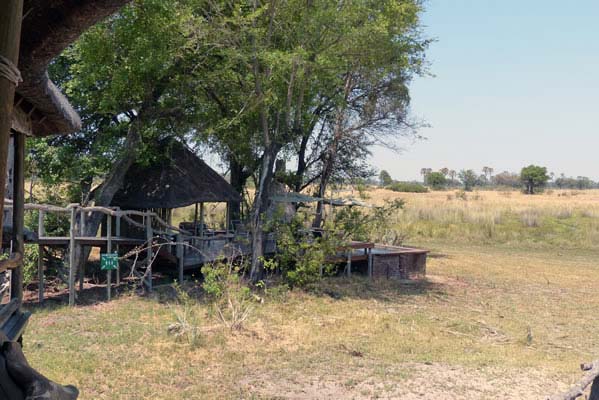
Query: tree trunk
[331, 155]
[238, 180]
[261, 202]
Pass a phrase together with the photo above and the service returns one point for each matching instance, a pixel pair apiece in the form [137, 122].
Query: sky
[516, 82]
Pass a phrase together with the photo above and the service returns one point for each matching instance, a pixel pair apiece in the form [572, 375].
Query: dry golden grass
[563, 219]
[507, 311]
[462, 333]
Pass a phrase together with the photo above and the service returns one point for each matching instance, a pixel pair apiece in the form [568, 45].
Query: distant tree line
[530, 179]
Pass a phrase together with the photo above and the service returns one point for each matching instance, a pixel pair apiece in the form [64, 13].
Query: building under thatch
[177, 178]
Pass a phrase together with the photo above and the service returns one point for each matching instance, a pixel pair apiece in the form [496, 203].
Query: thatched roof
[177, 180]
[49, 26]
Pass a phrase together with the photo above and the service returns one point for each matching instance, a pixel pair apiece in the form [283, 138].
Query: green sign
[109, 261]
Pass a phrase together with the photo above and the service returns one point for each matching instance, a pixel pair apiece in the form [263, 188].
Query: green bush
[408, 187]
[300, 256]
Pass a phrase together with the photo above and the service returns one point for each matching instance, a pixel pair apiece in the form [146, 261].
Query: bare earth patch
[416, 381]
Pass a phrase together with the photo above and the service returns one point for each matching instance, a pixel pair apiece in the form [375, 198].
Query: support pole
[18, 215]
[72, 269]
[180, 257]
[11, 15]
[195, 220]
[41, 231]
[349, 253]
[370, 263]
[40, 273]
[201, 219]
[118, 235]
[149, 239]
[109, 251]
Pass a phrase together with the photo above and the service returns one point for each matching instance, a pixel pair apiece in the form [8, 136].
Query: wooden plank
[72, 270]
[18, 216]
[11, 16]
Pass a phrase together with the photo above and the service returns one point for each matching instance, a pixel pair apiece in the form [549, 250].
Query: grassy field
[506, 315]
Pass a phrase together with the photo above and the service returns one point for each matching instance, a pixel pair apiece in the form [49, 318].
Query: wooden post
[370, 263]
[180, 257]
[195, 220]
[18, 214]
[41, 231]
[109, 251]
[40, 273]
[149, 239]
[349, 253]
[82, 266]
[82, 223]
[202, 219]
[227, 219]
[118, 235]
[72, 269]
[11, 15]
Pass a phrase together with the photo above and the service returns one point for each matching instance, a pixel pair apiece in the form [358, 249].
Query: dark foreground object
[18, 381]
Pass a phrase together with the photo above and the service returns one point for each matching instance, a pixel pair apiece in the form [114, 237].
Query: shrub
[188, 316]
[407, 187]
[230, 298]
[301, 257]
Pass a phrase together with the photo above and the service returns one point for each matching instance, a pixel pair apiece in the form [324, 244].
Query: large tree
[533, 177]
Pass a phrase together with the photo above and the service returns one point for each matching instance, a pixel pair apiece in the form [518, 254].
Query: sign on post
[109, 261]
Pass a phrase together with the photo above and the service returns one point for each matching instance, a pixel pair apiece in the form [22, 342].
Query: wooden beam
[11, 15]
[18, 214]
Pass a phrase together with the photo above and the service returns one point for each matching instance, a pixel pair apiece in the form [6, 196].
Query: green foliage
[436, 180]
[300, 256]
[354, 223]
[230, 297]
[385, 178]
[533, 177]
[469, 179]
[408, 187]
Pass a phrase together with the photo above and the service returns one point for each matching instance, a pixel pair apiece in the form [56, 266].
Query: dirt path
[420, 381]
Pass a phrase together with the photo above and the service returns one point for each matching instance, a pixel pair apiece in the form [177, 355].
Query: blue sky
[516, 82]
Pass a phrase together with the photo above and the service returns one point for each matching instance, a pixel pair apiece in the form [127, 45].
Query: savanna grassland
[507, 311]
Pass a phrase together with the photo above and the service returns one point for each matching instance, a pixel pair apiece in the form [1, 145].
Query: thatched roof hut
[177, 179]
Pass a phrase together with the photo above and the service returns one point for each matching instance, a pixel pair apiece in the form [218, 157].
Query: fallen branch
[578, 389]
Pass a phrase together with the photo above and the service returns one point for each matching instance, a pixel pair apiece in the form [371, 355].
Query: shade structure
[294, 197]
[48, 28]
[177, 179]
